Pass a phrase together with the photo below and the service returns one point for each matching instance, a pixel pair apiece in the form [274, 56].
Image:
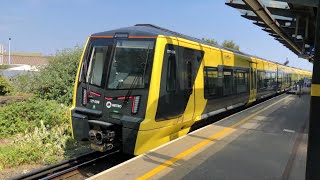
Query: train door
[188, 64]
[171, 102]
[177, 97]
[253, 82]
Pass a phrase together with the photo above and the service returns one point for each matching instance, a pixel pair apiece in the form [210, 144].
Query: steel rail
[64, 167]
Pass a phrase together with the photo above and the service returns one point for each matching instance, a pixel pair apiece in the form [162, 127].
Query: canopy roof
[291, 22]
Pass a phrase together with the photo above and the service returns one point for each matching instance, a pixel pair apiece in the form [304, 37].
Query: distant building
[24, 58]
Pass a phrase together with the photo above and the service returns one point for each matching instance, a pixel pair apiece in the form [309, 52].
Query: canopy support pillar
[313, 155]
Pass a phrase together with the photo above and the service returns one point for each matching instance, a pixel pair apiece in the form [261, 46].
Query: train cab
[112, 90]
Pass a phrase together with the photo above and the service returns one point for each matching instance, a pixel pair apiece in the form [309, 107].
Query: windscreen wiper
[127, 96]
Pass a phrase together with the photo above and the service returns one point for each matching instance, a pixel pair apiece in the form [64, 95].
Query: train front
[111, 90]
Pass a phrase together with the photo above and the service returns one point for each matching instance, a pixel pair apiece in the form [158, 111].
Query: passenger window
[267, 80]
[280, 76]
[241, 81]
[273, 77]
[210, 82]
[171, 74]
[261, 80]
[290, 79]
[285, 78]
[228, 82]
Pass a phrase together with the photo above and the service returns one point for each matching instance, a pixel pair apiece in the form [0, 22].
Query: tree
[211, 41]
[230, 44]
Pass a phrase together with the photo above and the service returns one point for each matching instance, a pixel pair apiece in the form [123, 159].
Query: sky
[47, 26]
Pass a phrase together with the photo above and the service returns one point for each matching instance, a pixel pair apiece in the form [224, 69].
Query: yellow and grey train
[142, 86]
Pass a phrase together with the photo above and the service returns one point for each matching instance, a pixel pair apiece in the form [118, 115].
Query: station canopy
[291, 22]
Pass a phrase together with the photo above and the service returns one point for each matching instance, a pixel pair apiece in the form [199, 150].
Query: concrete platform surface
[266, 141]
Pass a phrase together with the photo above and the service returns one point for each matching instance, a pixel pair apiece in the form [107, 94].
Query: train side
[150, 86]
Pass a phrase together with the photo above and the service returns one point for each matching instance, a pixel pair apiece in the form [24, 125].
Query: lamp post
[9, 60]
[1, 51]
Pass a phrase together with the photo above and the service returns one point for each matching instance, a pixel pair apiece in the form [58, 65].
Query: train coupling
[102, 140]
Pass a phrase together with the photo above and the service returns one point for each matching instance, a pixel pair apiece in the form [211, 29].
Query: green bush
[5, 66]
[23, 82]
[43, 146]
[38, 128]
[5, 86]
[54, 81]
[23, 117]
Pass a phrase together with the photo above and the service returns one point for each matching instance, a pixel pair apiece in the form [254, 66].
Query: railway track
[78, 168]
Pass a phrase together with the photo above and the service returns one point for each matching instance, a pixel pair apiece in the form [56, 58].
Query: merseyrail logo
[109, 105]
[227, 57]
[227, 60]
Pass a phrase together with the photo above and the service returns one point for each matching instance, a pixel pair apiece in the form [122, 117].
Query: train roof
[153, 30]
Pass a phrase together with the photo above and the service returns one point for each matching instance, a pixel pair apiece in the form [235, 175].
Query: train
[142, 86]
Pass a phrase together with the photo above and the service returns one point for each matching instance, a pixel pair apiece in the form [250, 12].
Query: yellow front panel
[74, 97]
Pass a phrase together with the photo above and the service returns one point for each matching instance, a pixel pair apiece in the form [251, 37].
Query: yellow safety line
[315, 90]
[201, 144]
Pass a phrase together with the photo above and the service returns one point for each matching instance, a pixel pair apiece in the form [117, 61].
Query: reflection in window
[96, 64]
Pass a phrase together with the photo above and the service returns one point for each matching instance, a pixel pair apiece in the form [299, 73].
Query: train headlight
[135, 104]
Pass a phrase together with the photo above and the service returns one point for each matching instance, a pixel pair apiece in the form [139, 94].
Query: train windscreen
[131, 64]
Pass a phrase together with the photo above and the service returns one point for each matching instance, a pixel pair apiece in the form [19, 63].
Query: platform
[266, 141]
